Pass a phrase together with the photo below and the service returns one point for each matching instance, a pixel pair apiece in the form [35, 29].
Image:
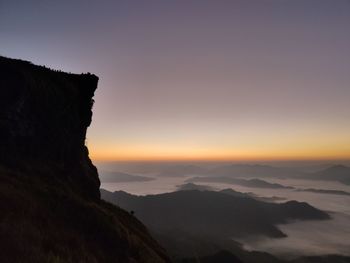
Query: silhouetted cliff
[49, 189]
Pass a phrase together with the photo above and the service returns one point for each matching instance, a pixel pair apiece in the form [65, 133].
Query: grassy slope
[44, 221]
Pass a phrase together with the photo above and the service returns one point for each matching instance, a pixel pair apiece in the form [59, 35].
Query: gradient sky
[189, 79]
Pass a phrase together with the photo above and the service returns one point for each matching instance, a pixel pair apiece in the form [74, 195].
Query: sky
[199, 79]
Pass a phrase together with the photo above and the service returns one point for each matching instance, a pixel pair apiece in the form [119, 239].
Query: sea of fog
[304, 237]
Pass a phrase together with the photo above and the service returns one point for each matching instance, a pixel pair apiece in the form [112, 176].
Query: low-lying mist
[303, 237]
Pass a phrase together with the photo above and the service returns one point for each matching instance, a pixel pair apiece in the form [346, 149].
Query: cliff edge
[50, 203]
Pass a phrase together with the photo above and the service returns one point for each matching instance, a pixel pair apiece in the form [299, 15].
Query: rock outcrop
[50, 203]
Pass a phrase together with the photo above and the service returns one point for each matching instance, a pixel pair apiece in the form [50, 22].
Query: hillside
[211, 213]
[200, 225]
[50, 203]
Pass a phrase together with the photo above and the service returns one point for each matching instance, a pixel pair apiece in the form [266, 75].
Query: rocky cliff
[50, 204]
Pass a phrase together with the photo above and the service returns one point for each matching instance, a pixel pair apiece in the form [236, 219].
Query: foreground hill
[50, 203]
[200, 225]
[212, 213]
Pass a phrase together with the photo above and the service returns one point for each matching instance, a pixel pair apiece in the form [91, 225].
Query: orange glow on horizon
[212, 155]
[229, 144]
[185, 142]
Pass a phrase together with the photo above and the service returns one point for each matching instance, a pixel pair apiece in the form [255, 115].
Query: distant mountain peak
[339, 167]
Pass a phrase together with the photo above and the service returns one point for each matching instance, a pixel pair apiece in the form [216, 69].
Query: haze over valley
[293, 237]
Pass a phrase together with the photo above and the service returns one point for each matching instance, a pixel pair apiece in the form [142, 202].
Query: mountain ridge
[217, 212]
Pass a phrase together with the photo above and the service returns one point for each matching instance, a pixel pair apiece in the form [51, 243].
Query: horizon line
[225, 160]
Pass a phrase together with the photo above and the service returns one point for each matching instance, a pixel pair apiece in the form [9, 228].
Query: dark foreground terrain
[201, 225]
[50, 203]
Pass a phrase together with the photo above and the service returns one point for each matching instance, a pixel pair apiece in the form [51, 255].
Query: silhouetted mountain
[194, 224]
[252, 195]
[181, 170]
[212, 213]
[117, 177]
[256, 183]
[191, 186]
[234, 170]
[50, 203]
[230, 191]
[340, 173]
[247, 170]
[235, 193]
[324, 191]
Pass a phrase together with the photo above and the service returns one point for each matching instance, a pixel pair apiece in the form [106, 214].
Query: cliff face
[49, 189]
[43, 118]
